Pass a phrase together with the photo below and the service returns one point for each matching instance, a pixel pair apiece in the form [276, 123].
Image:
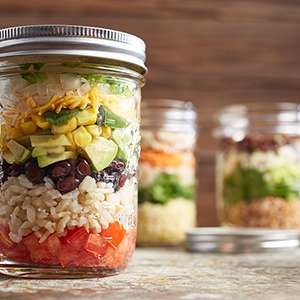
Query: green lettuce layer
[248, 184]
[164, 188]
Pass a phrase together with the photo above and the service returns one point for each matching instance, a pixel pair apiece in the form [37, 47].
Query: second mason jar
[167, 172]
[70, 99]
[258, 165]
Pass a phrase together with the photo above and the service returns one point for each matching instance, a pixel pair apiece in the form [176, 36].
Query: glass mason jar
[167, 172]
[258, 165]
[70, 101]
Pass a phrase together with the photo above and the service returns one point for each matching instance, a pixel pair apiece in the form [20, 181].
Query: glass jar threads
[167, 172]
[70, 98]
[258, 165]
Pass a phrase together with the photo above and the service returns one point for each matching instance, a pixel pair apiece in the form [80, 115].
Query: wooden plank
[169, 9]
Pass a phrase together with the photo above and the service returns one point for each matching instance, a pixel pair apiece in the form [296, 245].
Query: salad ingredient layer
[268, 212]
[166, 188]
[70, 146]
[266, 175]
[165, 224]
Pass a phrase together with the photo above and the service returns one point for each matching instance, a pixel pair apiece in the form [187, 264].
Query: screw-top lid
[240, 240]
[73, 40]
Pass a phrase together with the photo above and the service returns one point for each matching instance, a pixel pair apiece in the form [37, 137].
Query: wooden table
[174, 274]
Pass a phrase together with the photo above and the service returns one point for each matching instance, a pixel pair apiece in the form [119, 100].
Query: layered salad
[70, 147]
[260, 181]
[166, 187]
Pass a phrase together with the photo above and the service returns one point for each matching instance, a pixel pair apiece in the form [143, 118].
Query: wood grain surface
[168, 274]
[211, 52]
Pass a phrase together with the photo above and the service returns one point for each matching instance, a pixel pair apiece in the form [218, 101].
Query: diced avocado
[82, 137]
[101, 152]
[49, 140]
[65, 128]
[87, 117]
[110, 119]
[24, 141]
[8, 156]
[19, 152]
[94, 130]
[123, 139]
[46, 160]
[40, 151]
[114, 121]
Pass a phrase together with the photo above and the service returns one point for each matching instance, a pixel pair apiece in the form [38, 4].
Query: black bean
[67, 184]
[33, 172]
[82, 169]
[12, 169]
[61, 169]
[117, 165]
[122, 180]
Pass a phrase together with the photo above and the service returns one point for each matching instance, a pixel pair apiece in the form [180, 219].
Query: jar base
[52, 272]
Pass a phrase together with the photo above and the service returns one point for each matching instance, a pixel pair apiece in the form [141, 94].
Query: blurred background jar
[258, 165]
[167, 174]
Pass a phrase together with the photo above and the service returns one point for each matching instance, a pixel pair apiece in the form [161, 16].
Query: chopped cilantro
[62, 117]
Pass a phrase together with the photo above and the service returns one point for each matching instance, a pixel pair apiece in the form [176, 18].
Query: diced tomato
[114, 234]
[39, 252]
[86, 259]
[96, 244]
[77, 237]
[118, 258]
[5, 241]
[19, 252]
[53, 245]
[68, 255]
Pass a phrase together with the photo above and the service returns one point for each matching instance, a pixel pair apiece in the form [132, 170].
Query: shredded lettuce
[249, 184]
[164, 188]
[34, 77]
[115, 86]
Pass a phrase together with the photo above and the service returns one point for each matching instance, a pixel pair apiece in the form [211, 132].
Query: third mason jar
[258, 165]
[70, 99]
[167, 172]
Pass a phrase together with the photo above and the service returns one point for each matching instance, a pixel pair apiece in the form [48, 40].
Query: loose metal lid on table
[240, 240]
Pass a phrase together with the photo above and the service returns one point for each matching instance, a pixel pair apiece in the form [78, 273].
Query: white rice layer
[40, 208]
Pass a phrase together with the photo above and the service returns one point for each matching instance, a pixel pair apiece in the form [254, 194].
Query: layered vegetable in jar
[167, 172]
[70, 148]
[258, 167]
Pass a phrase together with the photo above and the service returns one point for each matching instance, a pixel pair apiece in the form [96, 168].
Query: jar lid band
[77, 40]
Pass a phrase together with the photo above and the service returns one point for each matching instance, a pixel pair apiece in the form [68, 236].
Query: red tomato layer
[78, 248]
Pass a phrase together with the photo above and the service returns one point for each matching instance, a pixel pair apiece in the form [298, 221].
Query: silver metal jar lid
[73, 40]
[240, 240]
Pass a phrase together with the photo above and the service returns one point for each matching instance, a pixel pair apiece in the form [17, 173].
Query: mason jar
[258, 165]
[70, 101]
[167, 172]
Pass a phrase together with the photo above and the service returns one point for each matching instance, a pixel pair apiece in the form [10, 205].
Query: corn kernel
[71, 139]
[106, 132]
[68, 127]
[40, 121]
[82, 137]
[94, 130]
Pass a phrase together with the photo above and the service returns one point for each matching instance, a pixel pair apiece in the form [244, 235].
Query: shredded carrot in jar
[160, 158]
